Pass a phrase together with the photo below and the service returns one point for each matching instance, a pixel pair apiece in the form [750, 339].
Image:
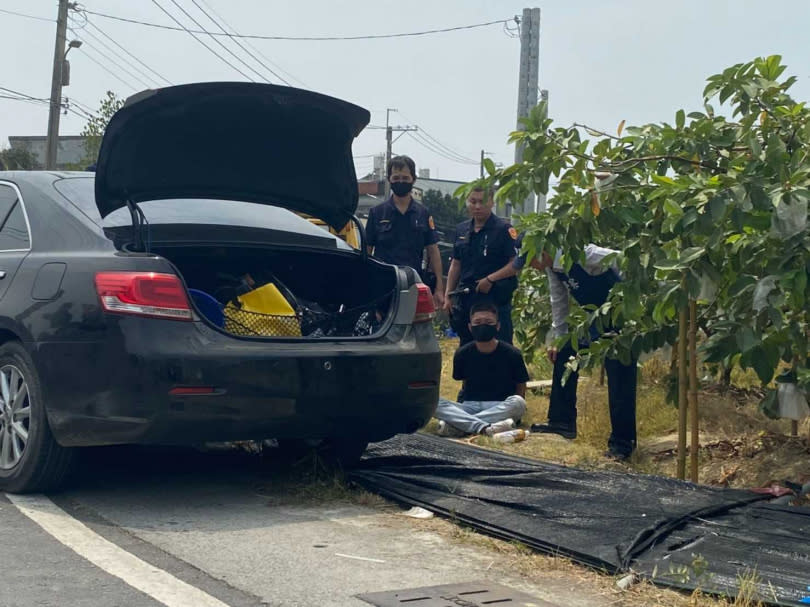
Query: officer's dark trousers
[621, 379]
[460, 320]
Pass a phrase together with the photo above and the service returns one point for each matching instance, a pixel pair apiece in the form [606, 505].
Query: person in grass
[494, 380]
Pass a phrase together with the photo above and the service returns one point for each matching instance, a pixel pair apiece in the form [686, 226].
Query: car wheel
[30, 458]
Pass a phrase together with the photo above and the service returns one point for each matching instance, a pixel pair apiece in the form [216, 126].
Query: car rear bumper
[120, 390]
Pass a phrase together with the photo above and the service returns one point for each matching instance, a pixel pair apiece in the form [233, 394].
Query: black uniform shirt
[482, 253]
[400, 238]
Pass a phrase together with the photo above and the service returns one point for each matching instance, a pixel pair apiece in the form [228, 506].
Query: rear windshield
[81, 192]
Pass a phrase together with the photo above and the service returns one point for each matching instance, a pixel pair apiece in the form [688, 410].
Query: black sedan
[177, 297]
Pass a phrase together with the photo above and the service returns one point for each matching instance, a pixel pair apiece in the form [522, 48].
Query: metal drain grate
[471, 594]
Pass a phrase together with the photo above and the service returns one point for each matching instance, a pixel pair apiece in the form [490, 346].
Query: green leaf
[680, 119]
[763, 365]
[691, 254]
[663, 179]
[763, 289]
[489, 166]
[746, 340]
[672, 208]
[668, 264]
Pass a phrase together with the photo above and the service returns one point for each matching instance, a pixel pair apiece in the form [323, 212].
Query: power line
[26, 97]
[192, 34]
[35, 101]
[83, 106]
[109, 71]
[448, 150]
[436, 150]
[442, 152]
[146, 81]
[2, 10]
[258, 52]
[219, 42]
[238, 43]
[461, 157]
[111, 39]
[302, 38]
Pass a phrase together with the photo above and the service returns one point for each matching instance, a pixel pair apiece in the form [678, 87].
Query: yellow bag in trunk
[264, 311]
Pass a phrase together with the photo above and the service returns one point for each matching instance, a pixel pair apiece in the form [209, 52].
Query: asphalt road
[145, 527]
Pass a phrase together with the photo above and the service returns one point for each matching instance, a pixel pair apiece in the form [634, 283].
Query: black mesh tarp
[676, 533]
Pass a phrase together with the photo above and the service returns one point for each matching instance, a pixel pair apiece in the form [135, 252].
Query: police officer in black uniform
[400, 230]
[484, 245]
[589, 284]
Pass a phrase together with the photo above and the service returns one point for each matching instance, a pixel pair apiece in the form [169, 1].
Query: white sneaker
[448, 431]
[501, 426]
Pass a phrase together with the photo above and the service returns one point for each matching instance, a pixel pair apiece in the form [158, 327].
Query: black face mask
[483, 332]
[401, 188]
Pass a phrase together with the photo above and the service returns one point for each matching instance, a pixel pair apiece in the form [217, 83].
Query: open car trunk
[316, 294]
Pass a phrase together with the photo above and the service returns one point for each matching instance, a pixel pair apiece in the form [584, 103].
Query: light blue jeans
[472, 416]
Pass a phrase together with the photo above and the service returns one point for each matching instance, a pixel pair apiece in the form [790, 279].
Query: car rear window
[81, 192]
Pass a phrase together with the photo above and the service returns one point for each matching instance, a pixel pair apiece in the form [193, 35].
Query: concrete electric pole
[527, 80]
[389, 141]
[56, 86]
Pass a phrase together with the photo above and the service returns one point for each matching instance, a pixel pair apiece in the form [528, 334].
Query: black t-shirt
[489, 377]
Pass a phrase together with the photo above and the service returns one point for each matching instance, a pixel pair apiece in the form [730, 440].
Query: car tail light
[192, 390]
[143, 294]
[425, 311]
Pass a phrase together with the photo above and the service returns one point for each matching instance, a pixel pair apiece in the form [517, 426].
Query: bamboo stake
[682, 319]
[694, 419]
[794, 428]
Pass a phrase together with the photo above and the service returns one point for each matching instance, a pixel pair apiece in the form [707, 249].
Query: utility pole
[527, 81]
[56, 86]
[389, 141]
[541, 198]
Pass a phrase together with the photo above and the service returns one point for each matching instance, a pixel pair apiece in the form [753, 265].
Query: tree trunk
[694, 419]
[682, 362]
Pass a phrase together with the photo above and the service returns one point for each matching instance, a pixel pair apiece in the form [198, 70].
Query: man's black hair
[401, 162]
[483, 306]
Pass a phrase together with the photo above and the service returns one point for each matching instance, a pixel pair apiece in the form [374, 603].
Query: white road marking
[358, 558]
[158, 584]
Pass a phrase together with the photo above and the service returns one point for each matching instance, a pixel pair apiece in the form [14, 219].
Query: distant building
[69, 152]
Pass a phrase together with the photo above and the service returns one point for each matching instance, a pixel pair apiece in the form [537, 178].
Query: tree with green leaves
[18, 159]
[710, 215]
[93, 131]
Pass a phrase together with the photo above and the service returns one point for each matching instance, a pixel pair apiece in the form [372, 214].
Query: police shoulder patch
[513, 233]
[430, 222]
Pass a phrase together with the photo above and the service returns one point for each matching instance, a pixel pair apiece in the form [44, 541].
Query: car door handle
[2, 274]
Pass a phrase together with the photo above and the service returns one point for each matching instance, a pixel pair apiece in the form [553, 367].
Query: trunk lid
[251, 142]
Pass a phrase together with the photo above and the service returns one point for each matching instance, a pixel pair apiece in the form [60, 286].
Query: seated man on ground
[494, 377]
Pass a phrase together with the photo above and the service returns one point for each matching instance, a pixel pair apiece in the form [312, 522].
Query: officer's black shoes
[564, 431]
[618, 456]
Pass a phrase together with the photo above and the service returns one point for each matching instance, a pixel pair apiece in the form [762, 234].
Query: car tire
[30, 459]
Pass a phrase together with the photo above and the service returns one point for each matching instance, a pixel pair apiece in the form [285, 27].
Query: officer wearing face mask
[494, 380]
[399, 230]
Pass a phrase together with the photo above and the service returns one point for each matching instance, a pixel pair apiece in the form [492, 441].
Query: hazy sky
[602, 61]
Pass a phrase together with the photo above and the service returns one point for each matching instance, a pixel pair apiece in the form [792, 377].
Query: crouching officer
[484, 245]
[588, 284]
